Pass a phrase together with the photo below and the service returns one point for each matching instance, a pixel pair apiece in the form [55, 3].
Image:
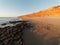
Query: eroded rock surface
[11, 32]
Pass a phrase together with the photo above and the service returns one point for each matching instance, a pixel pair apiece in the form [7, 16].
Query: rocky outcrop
[11, 33]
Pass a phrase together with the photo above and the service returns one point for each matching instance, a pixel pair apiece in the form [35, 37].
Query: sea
[6, 20]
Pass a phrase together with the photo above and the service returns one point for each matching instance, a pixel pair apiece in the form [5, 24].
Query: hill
[54, 11]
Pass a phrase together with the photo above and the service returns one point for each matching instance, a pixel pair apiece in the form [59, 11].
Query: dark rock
[11, 33]
[3, 24]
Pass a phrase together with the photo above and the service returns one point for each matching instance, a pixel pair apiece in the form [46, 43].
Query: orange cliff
[54, 11]
[44, 26]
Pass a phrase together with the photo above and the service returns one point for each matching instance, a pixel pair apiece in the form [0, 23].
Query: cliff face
[54, 11]
[47, 29]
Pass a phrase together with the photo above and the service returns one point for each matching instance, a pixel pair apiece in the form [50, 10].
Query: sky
[14, 8]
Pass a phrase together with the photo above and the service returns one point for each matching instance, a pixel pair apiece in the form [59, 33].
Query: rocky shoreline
[11, 33]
